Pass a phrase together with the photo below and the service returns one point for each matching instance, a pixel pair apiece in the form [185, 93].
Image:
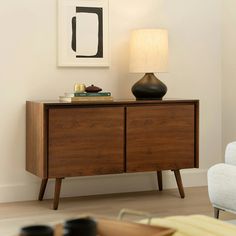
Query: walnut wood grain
[196, 151]
[160, 137]
[159, 180]
[86, 141]
[57, 193]
[117, 102]
[36, 140]
[179, 183]
[42, 189]
[93, 138]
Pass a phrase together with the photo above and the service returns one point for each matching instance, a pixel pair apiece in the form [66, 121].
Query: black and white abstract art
[83, 33]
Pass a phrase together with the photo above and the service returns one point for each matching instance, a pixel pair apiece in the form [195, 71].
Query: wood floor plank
[158, 204]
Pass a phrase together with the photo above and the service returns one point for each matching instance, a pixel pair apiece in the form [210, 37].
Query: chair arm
[222, 186]
[230, 154]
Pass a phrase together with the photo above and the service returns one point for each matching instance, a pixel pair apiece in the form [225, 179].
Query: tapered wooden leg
[179, 183]
[159, 179]
[57, 193]
[42, 189]
[216, 212]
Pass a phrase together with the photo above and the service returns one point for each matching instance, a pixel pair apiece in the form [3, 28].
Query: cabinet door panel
[160, 137]
[85, 141]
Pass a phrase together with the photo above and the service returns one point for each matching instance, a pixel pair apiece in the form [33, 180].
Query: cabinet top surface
[114, 102]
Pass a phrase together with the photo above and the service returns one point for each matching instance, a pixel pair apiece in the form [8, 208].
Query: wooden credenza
[97, 138]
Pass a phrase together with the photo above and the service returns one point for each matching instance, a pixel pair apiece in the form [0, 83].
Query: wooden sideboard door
[85, 141]
[93, 138]
[160, 137]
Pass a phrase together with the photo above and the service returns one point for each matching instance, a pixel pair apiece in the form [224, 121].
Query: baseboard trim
[96, 185]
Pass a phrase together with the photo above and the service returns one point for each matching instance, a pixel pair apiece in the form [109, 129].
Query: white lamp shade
[149, 51]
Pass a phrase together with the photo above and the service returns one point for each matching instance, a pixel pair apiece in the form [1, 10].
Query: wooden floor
[159, 204]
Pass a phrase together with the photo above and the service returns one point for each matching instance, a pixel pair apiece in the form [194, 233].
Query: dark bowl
[36, 230]
[82, 226]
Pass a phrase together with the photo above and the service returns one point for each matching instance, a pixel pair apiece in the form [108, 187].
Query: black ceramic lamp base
[149, 88]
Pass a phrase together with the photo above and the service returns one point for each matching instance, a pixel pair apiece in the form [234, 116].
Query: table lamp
[149, 54]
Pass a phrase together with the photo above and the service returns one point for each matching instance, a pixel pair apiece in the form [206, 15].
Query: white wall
[28, 71]
[229, 71]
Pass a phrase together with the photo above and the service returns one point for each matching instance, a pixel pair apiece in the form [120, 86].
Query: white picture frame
[83, 33]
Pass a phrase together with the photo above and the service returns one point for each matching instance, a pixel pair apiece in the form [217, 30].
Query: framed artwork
[83, 33]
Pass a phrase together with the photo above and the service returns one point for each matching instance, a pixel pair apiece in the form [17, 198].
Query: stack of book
[80, 97]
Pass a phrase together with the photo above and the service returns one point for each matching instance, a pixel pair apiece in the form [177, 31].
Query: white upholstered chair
[222, 182]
